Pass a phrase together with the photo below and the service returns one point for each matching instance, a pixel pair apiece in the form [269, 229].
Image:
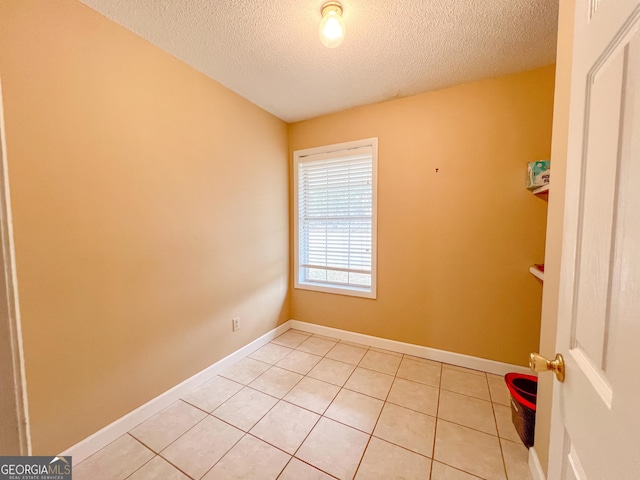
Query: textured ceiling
[270, 52]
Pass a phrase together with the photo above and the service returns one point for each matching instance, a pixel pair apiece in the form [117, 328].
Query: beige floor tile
[516, 460]
[291, 338]
[245, 408]
[116, 461]
[165, 427]
[412, 430]
[415, 396]
[499, 391]
[466, 383]
[297, 470]
[212, 394]
[245, 371]
[468, 411]
[285, 426]
[506, 429]
[332, 371]
[347, 353]
[420, 372]
[383, 461]
[355, 409]
[271, 353]
[317, 345]
[249, 459]
[158, 468]
[299, 362]
[440, 471]
[469, 450]
[312, 394]
[334, 448]
[380, 362]
[201, 447]
[276, 382]
[374, 384]
[464, 369]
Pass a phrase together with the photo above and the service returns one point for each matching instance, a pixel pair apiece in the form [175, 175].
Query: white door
[596, 412]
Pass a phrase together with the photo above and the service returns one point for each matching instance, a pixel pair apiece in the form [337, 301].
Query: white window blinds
[335, 208]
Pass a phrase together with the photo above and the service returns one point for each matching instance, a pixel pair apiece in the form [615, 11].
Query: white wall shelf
[541, 190]
[536, 273]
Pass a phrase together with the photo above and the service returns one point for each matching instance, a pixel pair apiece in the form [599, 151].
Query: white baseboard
[111, 432]
[452, 358]
[535, 467]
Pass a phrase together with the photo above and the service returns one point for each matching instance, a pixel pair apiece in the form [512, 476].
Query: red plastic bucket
[523, 390]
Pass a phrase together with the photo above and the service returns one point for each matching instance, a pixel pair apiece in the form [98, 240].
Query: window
[335, 190]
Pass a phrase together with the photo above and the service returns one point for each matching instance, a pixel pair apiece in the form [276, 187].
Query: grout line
[468, 428]
[195, 406]
[489, 387]
[172, 442]
[468, 371]
[307, 436]
[313, 466]
[402, 447]
[224, 455]
[158, 453]
[435, 430]
[271, 444]
[174, 466]
[504, 462]
[457, 469]
[285, 467]
[145, 446]
[465, 395]
[364, 452]
[308, 409]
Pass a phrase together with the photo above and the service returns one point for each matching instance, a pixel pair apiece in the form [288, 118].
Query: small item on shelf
[538, 174]
[539, 266]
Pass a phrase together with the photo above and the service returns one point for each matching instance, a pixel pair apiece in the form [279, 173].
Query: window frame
[325, 152]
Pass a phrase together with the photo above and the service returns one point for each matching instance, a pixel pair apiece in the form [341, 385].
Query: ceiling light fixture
[332, 25]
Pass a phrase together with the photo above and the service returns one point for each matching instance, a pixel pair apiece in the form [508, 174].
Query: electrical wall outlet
[235, 323]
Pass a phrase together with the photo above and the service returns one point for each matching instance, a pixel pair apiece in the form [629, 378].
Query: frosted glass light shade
[332, 25]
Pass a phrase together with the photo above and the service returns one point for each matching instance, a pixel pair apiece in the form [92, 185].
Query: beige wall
[150, 207]
[555, 225]
[454, 247]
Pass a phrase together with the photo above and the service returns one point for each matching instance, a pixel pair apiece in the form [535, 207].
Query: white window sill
[337, 290]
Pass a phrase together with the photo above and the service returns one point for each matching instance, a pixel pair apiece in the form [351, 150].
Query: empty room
[319, 240]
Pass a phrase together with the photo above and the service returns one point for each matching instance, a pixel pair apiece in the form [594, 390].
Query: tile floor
[311, 407]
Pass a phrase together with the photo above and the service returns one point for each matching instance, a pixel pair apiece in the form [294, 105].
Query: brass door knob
[538, 363]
